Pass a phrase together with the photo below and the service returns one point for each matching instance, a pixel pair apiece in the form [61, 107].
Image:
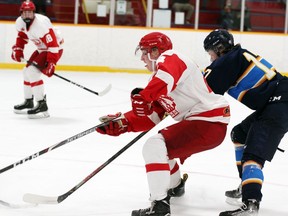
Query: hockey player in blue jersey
[254, 82]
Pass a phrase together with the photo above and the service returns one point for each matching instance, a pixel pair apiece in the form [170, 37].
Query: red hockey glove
[115, 127]
[17, 53]
[111, 117]
[139, 105]
[49, 70]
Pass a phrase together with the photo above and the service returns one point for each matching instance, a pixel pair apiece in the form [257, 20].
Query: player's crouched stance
[176, 87]
[39, 30]
[253, 81]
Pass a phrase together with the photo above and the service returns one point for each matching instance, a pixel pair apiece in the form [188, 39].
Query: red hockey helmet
[27, 6]
[155, 40]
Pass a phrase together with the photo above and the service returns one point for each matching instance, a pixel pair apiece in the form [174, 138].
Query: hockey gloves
[17, 53]
[140, 106]
[49, 70]
[114, 127]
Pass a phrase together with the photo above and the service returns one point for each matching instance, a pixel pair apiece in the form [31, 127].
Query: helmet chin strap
[153, 62]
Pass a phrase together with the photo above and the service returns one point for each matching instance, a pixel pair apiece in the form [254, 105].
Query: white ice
[121, 186]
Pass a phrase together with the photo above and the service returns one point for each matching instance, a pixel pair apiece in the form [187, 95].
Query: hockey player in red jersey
[177, 88]
[38, 29]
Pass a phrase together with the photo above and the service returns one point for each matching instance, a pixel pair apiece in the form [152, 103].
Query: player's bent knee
[238, 135]
[154, 150]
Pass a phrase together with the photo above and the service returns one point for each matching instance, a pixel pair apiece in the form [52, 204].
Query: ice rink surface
[121, 186]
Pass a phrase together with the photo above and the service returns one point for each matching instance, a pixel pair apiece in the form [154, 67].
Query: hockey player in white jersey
[38, 29]
[176, 87]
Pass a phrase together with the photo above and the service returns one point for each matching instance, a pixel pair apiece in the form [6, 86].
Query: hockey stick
[105, 91]
[39, 199]
[46, 150]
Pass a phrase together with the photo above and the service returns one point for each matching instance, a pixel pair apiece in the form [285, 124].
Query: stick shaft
[46, 150]
[87, 178]
[63, 78]
[76, 84]
[39, 199]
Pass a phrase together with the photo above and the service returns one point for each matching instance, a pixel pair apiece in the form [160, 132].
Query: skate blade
[22, 112]
[234, 201]
[39, 115]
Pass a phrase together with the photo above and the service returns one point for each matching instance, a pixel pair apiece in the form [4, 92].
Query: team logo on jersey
[168, 104]
[275, 98]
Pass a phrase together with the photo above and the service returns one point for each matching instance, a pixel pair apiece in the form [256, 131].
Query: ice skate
[23, 107]
[234, 197]
[180, 189]
[248, 208]
[158, 208]
[39, 111]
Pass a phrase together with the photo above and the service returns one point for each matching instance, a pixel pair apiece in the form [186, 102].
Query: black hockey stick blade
[39, 199]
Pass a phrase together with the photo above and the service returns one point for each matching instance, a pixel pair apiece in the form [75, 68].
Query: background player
[38, 29]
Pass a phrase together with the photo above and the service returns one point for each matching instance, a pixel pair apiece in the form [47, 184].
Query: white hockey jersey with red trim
[180, 88]
[42, 33]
